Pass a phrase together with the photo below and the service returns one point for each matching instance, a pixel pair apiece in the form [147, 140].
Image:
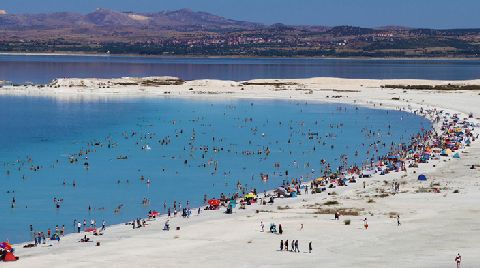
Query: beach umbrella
[6, 245]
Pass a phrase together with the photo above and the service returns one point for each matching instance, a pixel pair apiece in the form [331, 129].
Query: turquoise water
[43, 69]
[44, 132]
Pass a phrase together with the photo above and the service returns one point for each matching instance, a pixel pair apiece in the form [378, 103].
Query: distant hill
[109, 18]
[350, 30]
[187, 32]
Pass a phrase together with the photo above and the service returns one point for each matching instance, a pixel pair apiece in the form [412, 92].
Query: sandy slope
[435, 227]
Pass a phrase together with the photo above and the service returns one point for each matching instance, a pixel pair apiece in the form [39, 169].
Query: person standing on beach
[262, 226]
[458, 260]
[103, 225]
[281, 245]
[280, 229]
[310, 247]
[286, 244]
[398, 220]
[79, 225]
[293, 246]
[365, 223]
[296, 246]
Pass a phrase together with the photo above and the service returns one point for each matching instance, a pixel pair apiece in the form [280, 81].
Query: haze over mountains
[187, 32]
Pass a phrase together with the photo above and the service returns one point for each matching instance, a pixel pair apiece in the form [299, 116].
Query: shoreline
[86, 54]
[368, 95]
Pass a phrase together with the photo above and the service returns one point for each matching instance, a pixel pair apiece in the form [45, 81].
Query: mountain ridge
[188, 32]
[106, 17]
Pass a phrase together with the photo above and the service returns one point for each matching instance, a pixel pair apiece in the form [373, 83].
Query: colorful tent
[154, 214]
[10, 257]
[422, 177]
[214, 202]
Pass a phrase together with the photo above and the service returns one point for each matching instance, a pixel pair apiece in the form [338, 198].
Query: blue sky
[415, 13]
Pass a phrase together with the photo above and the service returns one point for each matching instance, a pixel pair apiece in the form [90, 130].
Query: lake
[185, 148]
[44, 68]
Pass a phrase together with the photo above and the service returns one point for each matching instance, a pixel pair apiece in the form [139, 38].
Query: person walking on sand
[296, 246]
[398, 220]
[293, 246]
[286, 245]
[262, 226]
[310, 247]
[281, 245]
[365, 223]
[79, 225]
[458, 260]
[280, 229]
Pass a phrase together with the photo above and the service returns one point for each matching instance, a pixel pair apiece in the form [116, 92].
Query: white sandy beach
[435, 226]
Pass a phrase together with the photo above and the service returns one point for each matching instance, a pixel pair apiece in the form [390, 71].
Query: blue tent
[422, 177]
[456, 155]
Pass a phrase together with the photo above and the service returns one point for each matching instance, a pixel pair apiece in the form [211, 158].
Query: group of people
[293, 246]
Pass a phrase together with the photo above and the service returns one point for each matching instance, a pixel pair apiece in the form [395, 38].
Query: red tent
[154, 214]
[10, 257]
[214, 202]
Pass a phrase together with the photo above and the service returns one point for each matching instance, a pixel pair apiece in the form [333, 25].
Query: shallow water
[43, 69]
[46, 130]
